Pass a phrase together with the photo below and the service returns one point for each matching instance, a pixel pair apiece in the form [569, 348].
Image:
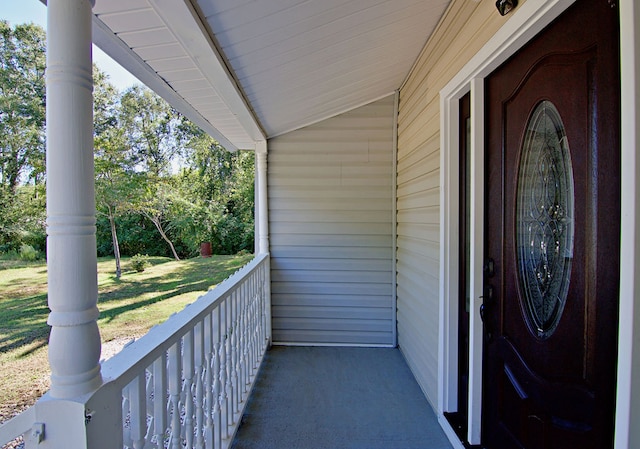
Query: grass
[129, 307]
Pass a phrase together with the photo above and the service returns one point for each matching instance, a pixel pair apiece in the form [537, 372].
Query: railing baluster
[258, 295]
[187, 394]
[198, 348]
[234, 354]
[148, 391]
[255, 297]
[247, 333]
[126, 423]
[217, 372]
[243, 333]
[208, 382]
[160, 398]
[255, 327]
[138, 410]
[239, 350]
[229, 367]
[252, 332]
[240, 365]
[175, 384]
[224, 334]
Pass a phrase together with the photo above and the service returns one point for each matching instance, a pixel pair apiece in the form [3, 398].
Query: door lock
[489, 267]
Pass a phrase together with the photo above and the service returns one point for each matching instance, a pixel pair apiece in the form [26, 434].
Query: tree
[112, 159]
[22, 142]
[157, 199]
[22, 104]
[150, 126]
[221, 186]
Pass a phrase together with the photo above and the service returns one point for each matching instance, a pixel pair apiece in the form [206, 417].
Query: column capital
[261, 147]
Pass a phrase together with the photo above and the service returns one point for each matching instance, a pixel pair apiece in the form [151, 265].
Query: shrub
[28, 252]
[139, 262]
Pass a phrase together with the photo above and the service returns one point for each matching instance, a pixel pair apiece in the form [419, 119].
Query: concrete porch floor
[330, 397]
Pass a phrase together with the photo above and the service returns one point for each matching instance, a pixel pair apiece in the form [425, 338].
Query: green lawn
[129, 306]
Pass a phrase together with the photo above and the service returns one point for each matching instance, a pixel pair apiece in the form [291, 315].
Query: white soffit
[246, 69]
[301, 61]
[164, 44]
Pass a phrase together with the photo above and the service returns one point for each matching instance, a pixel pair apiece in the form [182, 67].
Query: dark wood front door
[552, 237]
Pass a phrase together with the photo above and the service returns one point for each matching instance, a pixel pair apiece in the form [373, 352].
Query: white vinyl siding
[418, 182]
[330, 222]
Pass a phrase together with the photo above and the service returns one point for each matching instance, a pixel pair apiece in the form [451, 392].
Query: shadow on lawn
[24, 319]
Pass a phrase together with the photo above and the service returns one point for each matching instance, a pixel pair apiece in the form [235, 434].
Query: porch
[337, 397]
[400, 215]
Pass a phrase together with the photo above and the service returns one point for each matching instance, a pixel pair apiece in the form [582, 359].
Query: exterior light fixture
[505, 6]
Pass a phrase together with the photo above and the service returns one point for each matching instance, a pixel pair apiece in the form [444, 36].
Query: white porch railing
[184, 384]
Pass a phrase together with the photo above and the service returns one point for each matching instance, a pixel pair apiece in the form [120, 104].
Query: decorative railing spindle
[159, 399]
[243, 326]
[229, 368]
[224, 423]
[175, 384]
[198, 346]
[217, 393]
[248, 332]
[235, 332]
[138, 413]
[187, 388]
[208, 382]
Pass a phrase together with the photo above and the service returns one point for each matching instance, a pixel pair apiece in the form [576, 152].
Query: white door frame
[527, 21]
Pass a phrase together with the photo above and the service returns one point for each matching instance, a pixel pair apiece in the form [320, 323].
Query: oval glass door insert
[544, 220]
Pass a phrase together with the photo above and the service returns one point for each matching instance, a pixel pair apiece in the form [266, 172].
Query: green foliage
[22, 104]
[150, 126]
[220, 186]
[22, 116]
[22, 218]
[28, 252]
[139, 262]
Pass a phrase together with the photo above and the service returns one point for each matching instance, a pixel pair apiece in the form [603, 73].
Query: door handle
[487, 302]
[487, 326]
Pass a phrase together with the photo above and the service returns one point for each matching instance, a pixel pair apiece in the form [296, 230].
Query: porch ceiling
[249, 69]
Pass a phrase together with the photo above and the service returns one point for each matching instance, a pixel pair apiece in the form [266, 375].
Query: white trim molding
[394, 221]
[628, 391]
[476, 259]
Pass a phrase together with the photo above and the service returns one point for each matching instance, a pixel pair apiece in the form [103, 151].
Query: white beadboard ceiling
[248, 69]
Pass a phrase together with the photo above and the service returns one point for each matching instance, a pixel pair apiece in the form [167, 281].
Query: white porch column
[74, 343]
[263, 206]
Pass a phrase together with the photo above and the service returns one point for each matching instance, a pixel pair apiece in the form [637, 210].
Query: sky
[24, 11]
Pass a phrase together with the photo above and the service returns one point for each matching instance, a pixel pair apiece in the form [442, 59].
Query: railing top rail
[124, 366]
[17, 426]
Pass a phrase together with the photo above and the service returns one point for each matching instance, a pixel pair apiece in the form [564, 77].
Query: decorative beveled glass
[544, 223]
